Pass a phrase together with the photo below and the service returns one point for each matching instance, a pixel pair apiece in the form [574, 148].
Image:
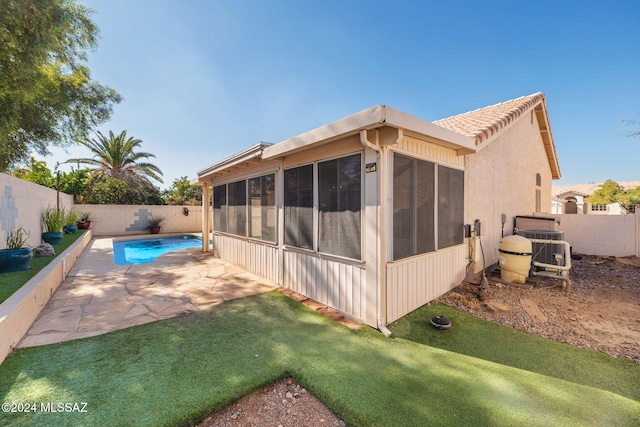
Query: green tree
[606, 194]
[612, 192]
[115, 157]
[115, 191]
[36, 172]
[182, 192]
[76, 182]
[630, 197]
[47, 96]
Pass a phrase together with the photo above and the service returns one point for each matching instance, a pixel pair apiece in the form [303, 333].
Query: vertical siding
[414, 282]
[434, 153]
[340, 285]
[256, 257]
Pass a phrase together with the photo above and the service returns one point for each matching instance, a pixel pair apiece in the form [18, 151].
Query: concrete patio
[99, 296]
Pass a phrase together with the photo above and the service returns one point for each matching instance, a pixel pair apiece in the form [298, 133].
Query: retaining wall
[19, 311]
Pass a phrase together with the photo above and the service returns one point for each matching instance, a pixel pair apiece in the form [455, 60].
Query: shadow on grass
[507, 346]
[175, 372]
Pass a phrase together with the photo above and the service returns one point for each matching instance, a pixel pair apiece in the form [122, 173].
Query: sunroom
[364, 215]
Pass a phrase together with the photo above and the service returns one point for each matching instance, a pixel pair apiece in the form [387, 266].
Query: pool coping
[153, 236]
[20, 310]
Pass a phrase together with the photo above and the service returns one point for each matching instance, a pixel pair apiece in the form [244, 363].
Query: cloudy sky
[204, 79]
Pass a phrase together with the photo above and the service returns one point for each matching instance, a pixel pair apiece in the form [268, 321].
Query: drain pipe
[381, 287]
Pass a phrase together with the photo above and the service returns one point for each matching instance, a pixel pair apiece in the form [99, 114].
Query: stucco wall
[609, 235]
[501, 179]
[116, 220]
[22, 204]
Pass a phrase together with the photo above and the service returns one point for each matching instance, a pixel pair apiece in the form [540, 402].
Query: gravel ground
[602, 312]
[284, 404]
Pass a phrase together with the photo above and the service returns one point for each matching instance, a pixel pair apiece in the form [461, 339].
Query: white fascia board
[366, 119]
[247, 154]
[397, 118]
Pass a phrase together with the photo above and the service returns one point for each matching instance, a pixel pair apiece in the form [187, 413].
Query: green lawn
[11, 282]
[175, 372]
[507, 346]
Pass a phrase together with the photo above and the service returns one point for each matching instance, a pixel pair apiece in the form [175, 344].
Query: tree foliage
[116, 156]
[612, 192]
[182, 192]
[36, 172]
[46, 92]
[117, 166]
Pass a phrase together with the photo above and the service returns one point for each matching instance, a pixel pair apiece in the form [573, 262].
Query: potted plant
[16, 257]
[84, 220]
[70, 220]
[53, 221]
[154, 224]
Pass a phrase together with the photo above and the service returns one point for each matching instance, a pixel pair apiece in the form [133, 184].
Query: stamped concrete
[99, 296]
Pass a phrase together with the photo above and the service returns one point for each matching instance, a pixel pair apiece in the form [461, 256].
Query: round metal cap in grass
[440, 322]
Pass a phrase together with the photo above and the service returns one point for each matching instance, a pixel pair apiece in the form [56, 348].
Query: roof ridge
[481, 126]
[491, 106]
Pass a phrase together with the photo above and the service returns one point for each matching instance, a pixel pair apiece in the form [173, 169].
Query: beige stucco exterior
[501, 179]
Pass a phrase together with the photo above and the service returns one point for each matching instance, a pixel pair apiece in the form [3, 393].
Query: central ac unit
[545, 252]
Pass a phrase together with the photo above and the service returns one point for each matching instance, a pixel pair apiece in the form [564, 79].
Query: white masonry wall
[120, 220]
[21, 205]
[608, 235]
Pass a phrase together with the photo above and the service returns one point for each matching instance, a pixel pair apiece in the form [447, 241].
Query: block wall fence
[607, 235]
[122, 220]
[22, 204]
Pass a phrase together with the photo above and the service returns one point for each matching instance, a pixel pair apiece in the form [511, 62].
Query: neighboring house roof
[588, 189]
[570, 193]
[485, 124]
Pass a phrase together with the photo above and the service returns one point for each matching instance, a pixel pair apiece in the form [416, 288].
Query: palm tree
[116, 157]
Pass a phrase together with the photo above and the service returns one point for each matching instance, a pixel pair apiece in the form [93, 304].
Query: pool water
[147, 250]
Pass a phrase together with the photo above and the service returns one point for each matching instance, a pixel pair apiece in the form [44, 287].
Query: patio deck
[99, 296]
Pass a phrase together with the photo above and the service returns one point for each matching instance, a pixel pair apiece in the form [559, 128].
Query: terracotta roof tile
[483, 123]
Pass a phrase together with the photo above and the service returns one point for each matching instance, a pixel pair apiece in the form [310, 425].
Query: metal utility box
[543, 252]
[535, 223]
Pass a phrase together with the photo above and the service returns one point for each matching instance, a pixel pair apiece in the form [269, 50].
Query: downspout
[382, 247]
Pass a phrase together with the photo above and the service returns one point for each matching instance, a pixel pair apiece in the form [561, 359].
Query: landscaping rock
[44, 249]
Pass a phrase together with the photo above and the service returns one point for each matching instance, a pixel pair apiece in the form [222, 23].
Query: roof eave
[255, 151]
[373, 117]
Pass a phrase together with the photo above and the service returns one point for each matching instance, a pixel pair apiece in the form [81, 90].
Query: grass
[176, 371]
[11, 282]
[507, 346]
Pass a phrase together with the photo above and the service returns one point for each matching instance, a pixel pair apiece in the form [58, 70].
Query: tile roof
[483, 123]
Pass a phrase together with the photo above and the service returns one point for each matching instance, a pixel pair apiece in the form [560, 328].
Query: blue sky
[204, 79]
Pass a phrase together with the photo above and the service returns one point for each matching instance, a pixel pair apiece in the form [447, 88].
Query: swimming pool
[147, 250]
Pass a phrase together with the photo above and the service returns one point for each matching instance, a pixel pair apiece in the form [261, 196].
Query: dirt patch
[284, 403]
[602, 311]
